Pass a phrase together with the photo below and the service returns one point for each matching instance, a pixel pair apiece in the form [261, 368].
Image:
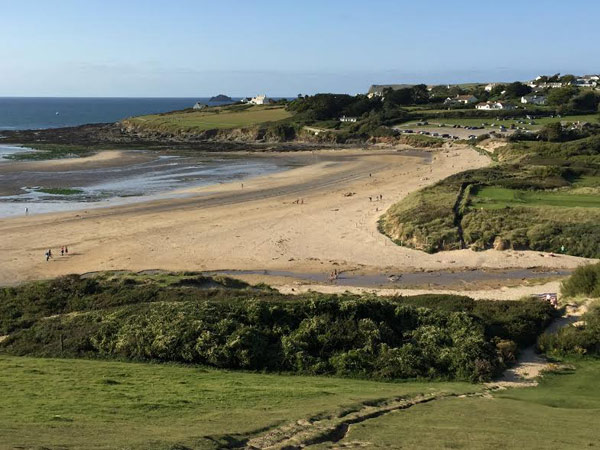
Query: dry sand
[258, 226]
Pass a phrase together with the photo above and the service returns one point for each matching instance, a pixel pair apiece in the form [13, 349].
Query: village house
[461, 99]
[533, 99]
[490, 87]
[348, 119]
[590, 81]
[489, 106]
[199, 106]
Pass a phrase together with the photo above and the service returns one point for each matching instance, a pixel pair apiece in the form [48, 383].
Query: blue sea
[27, 113]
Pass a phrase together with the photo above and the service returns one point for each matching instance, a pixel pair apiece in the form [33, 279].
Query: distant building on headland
[199, 105]
[348, 119]
[376, 90]
[259, 100]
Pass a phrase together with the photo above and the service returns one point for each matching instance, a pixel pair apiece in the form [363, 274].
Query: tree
[561, 96]
[567, 79]
[497, 90]
[586, 101]
[516, 90]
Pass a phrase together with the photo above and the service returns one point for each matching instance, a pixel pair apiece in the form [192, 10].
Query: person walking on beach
[62, 251]
[48, 255]
[66, 250]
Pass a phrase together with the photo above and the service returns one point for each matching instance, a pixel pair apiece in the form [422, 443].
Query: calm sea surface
[25, 113]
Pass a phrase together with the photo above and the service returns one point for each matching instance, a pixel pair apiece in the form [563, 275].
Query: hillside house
[589, 81]
[489, 87]
[348, 119]
[199, 106]
[534, 99]
[461, 100]
[494, 106]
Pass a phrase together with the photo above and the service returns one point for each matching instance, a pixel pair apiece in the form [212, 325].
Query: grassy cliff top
[223, 117]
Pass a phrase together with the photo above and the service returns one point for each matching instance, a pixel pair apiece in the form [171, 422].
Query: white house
[533, 99]
[348, 119]
[489, 87]
[199, 105]
[587, 81]
[461, 99]
[260, 100]
[489, 106]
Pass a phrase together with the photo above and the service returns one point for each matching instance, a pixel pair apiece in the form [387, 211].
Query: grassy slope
[496, 198]
[98, 404]
[214, 118]
[562, 412]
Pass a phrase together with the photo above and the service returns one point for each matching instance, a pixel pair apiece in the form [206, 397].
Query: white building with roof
[260, 100]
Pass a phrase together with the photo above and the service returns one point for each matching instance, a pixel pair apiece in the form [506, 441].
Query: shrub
[585, 280]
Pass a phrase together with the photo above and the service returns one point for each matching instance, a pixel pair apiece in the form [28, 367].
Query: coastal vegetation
[200, 320]
[172, 402]
[540, 196]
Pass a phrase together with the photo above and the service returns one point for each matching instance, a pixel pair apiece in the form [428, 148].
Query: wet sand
[310, 219]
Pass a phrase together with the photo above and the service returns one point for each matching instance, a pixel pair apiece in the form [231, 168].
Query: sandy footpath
[301, 220]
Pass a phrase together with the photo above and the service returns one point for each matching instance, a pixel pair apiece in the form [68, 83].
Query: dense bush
[253, 329]
[584, 281]
[579, 340]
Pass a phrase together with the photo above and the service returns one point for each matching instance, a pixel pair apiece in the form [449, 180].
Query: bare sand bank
[310, 219]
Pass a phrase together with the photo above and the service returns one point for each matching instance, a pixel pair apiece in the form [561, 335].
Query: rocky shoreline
[121, 136]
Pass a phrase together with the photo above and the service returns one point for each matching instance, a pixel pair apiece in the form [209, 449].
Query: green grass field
[53, 403]
[562, 412]
[496, 198]
[213, 118]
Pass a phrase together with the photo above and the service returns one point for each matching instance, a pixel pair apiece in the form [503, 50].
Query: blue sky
[243, 47]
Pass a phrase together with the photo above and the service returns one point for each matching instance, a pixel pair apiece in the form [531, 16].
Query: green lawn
[497, 198]
[214, 118]
[97, 404]
[562, 412]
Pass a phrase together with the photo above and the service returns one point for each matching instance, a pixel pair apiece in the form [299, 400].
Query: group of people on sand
[334, 275]
[377, 197]
[299, 201]
[64, 250]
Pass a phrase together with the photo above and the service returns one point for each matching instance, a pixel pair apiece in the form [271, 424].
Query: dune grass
[213, 118]
[55, 403]
[492, 197]
[562, 412]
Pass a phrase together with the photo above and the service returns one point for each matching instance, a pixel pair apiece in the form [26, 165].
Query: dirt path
[530, 365]
[333, 428]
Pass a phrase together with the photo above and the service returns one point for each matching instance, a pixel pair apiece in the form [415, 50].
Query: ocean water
[27, 113]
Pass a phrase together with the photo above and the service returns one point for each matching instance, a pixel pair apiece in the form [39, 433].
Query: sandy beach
[309, 219]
